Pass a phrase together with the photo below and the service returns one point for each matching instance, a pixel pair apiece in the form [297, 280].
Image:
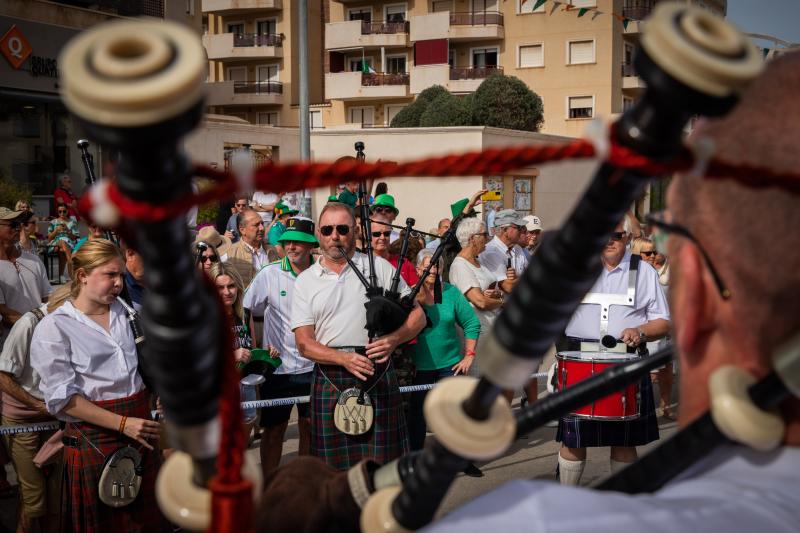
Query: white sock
[616, 466]
[570, 472]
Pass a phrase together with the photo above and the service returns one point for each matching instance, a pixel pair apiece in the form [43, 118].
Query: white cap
[532, 222]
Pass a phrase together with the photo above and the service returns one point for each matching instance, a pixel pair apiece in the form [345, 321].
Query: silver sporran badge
[354, 413]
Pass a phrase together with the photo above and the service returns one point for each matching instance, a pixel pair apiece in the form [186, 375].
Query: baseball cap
[508, 217]
[532, 222]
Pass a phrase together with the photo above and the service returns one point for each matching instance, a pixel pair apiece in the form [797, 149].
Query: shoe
[473, 471]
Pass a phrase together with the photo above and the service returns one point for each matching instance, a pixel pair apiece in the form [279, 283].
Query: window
[484, 57]
[526, 6]
[391, 111]
[268, 118]
[583, 3]
[267, 27]
[357, 66]
[531, 55]
[363, 14]
[580, 52]
[395, 64]
[581, 107]
[451, 58]
[437, 6]
[627, 103]
[361, 115]
[315, 119]
[395, 13]
[483, 6]
[267, 73]
[238, 74]
[236, 28]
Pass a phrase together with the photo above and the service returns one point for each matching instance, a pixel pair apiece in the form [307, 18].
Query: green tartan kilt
[385, 441]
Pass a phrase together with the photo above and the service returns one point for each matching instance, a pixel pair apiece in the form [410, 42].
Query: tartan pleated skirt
[386, 440]
[82, 511]
[587, 433]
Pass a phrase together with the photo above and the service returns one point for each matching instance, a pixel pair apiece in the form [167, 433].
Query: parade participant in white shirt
[731, 306]
[646, 320]
[329, 319]
[86, 357]
[270, 296]
[504, 248]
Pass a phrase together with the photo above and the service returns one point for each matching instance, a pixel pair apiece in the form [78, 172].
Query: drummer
[626, 328]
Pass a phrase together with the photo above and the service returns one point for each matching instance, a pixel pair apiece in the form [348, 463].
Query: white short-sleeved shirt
[734, 489]
[24, 286]
[74, 355]
[334, 303]
[650, 302]
[495, 258]
[270, 295]
[14, 359]
[465, 276]
[265, 198]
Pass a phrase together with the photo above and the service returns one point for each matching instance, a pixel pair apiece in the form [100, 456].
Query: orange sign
[15, 47]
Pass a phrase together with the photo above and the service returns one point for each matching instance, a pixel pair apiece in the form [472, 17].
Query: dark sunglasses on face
[384, 210]
[617, 236]
[648, 254]
[376, 234]
[241, 205]
[341, 229]
[212, 258]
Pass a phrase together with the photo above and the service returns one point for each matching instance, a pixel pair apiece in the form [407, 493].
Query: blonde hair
[222, 269]
[91, 255]
[638, 243]
[58, 297]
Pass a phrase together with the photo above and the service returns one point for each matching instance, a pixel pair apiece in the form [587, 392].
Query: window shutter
[580, 102]
[581, 52]
[431, 52]
[531, 56]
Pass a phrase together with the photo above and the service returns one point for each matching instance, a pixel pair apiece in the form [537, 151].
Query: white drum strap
[605, 299]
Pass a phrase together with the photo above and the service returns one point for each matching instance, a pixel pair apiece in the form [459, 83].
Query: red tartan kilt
[82, 510]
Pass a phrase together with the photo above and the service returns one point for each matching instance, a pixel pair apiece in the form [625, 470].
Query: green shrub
[11, 191]
[506, 102]
[447, 110]
[409, 116]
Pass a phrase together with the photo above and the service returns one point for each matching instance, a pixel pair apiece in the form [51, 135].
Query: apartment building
[379, 55]
[252, 48]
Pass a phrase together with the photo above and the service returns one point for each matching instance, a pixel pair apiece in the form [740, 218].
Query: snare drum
[573, 367]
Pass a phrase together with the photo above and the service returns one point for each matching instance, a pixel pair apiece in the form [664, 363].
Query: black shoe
[473, 471]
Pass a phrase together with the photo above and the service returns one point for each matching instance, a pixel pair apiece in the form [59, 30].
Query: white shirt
[495, 258]
[434, 244]
[265, 198]
[650, 302]
[14, 357]
[260, 259]
[74, 355]
[23, 287]
[734, 489]
[270, 295]
[334, 303]
[465, 276]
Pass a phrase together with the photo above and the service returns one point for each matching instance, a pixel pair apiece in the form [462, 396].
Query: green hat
[384, 200]
[333, 198]
[283, 209]
[458, 207]
[260, 363]
[299, 229]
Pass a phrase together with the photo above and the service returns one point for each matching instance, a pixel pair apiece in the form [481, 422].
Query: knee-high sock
[616, 466]
[570, 472]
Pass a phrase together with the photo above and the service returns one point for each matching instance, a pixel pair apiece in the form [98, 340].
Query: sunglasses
[381, 209]
[241, 205]
[648, 254]
[376, 234]
[617, 236]
[62, 211]
[212, 258]
[13, 224]
[341, 229]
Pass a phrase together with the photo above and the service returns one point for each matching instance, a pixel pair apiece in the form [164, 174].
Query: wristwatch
[642, 335]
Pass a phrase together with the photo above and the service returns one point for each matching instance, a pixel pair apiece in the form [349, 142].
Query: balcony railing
[473, 73]
[255, 39]
[484, 18]
[385, 28]
[373, 80]
[628, 70]
[637, 9]
[258, 87]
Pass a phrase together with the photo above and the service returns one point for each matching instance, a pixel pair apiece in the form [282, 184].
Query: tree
[506, 102]
[409, 116]
[447, 110]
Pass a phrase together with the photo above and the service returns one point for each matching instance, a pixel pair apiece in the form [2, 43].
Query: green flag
[538, 4]
[625, 23]
[765, 52]
[364, 67]
[582, 11]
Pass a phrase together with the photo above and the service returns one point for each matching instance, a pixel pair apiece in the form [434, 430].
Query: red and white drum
[572, 367]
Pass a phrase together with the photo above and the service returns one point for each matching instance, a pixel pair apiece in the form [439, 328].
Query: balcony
[238, 7]
[636, 11]
[455, 80]
[458, 26]
[243, 46]
[630, 80]
[357, 34]
[361, 86]
[235, 93]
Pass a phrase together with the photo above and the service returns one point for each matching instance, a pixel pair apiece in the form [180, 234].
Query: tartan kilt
[81, 508]
[386, 440]
[586, 433]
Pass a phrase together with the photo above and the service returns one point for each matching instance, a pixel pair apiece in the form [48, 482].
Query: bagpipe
[137, 87]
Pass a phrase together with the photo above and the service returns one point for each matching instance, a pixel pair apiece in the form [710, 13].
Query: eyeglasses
[648, 254]
[13, 224]
[341, 229]
[617, 236]
[382, 209]
[485, 234]
[657, 220]
[376, 234]
[212, 258]
[241, 205]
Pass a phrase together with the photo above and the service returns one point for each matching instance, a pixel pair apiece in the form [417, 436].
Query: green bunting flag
[538, 4]
[625, 23]
[765, 52]
[582, 11]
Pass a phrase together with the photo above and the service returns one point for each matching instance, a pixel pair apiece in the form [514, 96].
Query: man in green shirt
[348, 195]
[282, 213]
